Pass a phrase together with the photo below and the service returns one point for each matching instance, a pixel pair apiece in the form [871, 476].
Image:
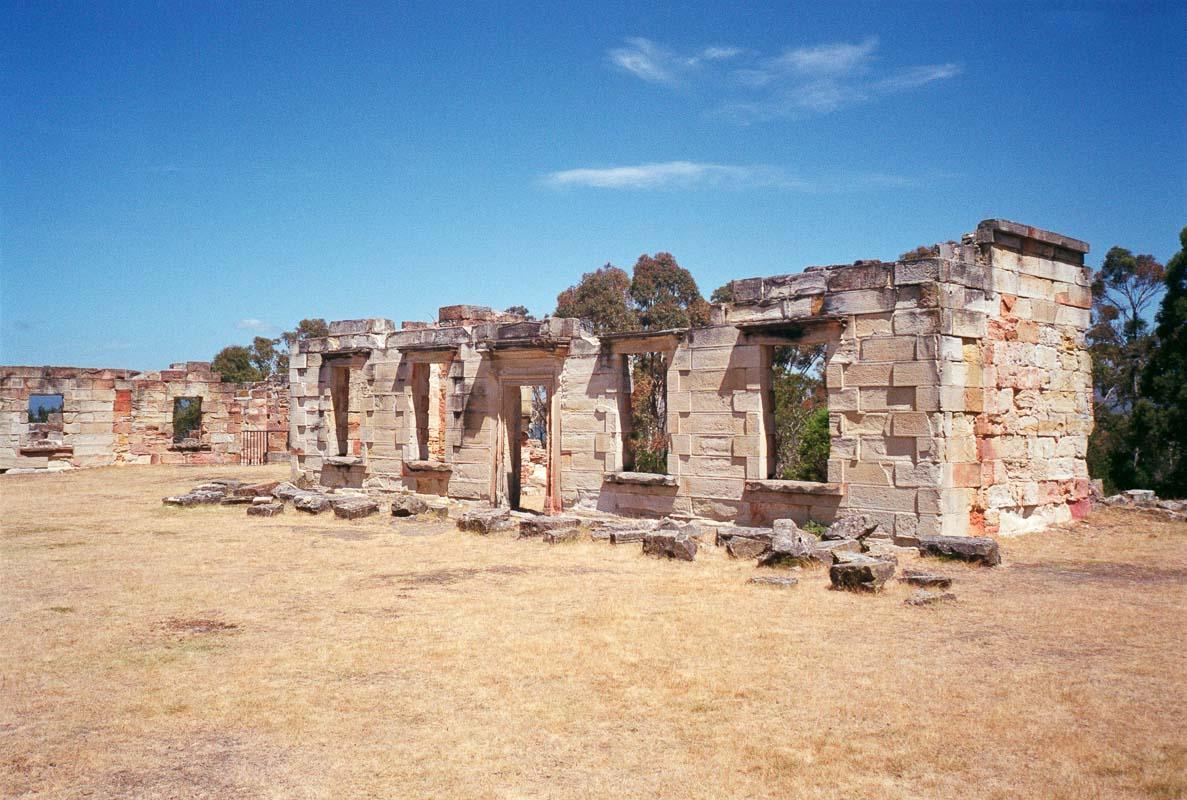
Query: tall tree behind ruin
[1161, 414]
[315, 328]
[1121, 343]
[603, 299]
[235, 365]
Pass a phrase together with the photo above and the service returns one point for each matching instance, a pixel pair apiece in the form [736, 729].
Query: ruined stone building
[958, 386]
[66, 417]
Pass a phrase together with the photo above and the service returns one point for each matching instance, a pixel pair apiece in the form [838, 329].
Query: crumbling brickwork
[119, 416]
[958, 387]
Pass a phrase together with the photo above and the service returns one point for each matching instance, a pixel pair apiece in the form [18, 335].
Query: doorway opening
[528, 463]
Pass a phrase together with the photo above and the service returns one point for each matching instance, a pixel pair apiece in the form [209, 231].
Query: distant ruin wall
[118, 416]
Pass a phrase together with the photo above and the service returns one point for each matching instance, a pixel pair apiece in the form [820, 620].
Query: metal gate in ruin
[254, 448]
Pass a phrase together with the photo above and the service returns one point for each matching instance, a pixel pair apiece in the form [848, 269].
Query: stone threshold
[794, 487]
[427, 466]
[641, 478]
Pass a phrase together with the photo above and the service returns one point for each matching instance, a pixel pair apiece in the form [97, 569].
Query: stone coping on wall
[794, 487]
[641, 478]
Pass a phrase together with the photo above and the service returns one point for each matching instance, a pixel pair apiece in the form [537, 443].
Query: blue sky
[177, 177]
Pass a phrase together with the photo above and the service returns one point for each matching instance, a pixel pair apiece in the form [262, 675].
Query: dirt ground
[153, 652]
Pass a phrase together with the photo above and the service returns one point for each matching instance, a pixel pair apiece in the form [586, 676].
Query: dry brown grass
[158, 652]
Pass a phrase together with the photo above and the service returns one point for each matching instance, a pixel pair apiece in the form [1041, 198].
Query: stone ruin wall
[118, 416]
[958, 386]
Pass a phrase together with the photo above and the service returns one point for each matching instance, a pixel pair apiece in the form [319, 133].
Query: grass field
[169, 653]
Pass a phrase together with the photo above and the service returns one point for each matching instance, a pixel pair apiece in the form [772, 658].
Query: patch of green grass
[815, 527]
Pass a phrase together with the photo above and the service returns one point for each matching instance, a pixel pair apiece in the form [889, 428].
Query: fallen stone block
[857, 526]
[311, 503]
[538, 526]
[689, 529]
[926, 598]
[745, 547]
[257, 489]
[919, 578]
[789, 546]
[628, 535]
[1141, 497]
[884, 548]
[974, 549]
[287, 491]
[231, 483]
[194, 498]
[666, 544]
[235, 500]
[486, 521]
[557, 535]
[265, 509]
[724, 534]
[857, 572]
[408, 505]
[782, 581]
[353, 507]
[262, 501]
[823, 551]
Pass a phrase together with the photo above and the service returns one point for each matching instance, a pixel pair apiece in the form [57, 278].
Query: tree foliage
[801, 413]
[1160, 418]
[236, 364]
[1130, 444]
[265, 358]
[602, 298]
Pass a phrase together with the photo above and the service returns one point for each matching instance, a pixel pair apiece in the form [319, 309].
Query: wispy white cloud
[257, 325]
[800, 81]
[689, 175]
[838, 58]
[656, 63]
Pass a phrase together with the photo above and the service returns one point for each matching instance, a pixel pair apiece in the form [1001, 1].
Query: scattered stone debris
[487, 521]
[689, 529]
[974, 549]
[858, 572]
[917, 577]
[783, 581]
[353, 507]
[670, 544]
[265, 510]
[1147, 500]
[311, 502]
[926, 598]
